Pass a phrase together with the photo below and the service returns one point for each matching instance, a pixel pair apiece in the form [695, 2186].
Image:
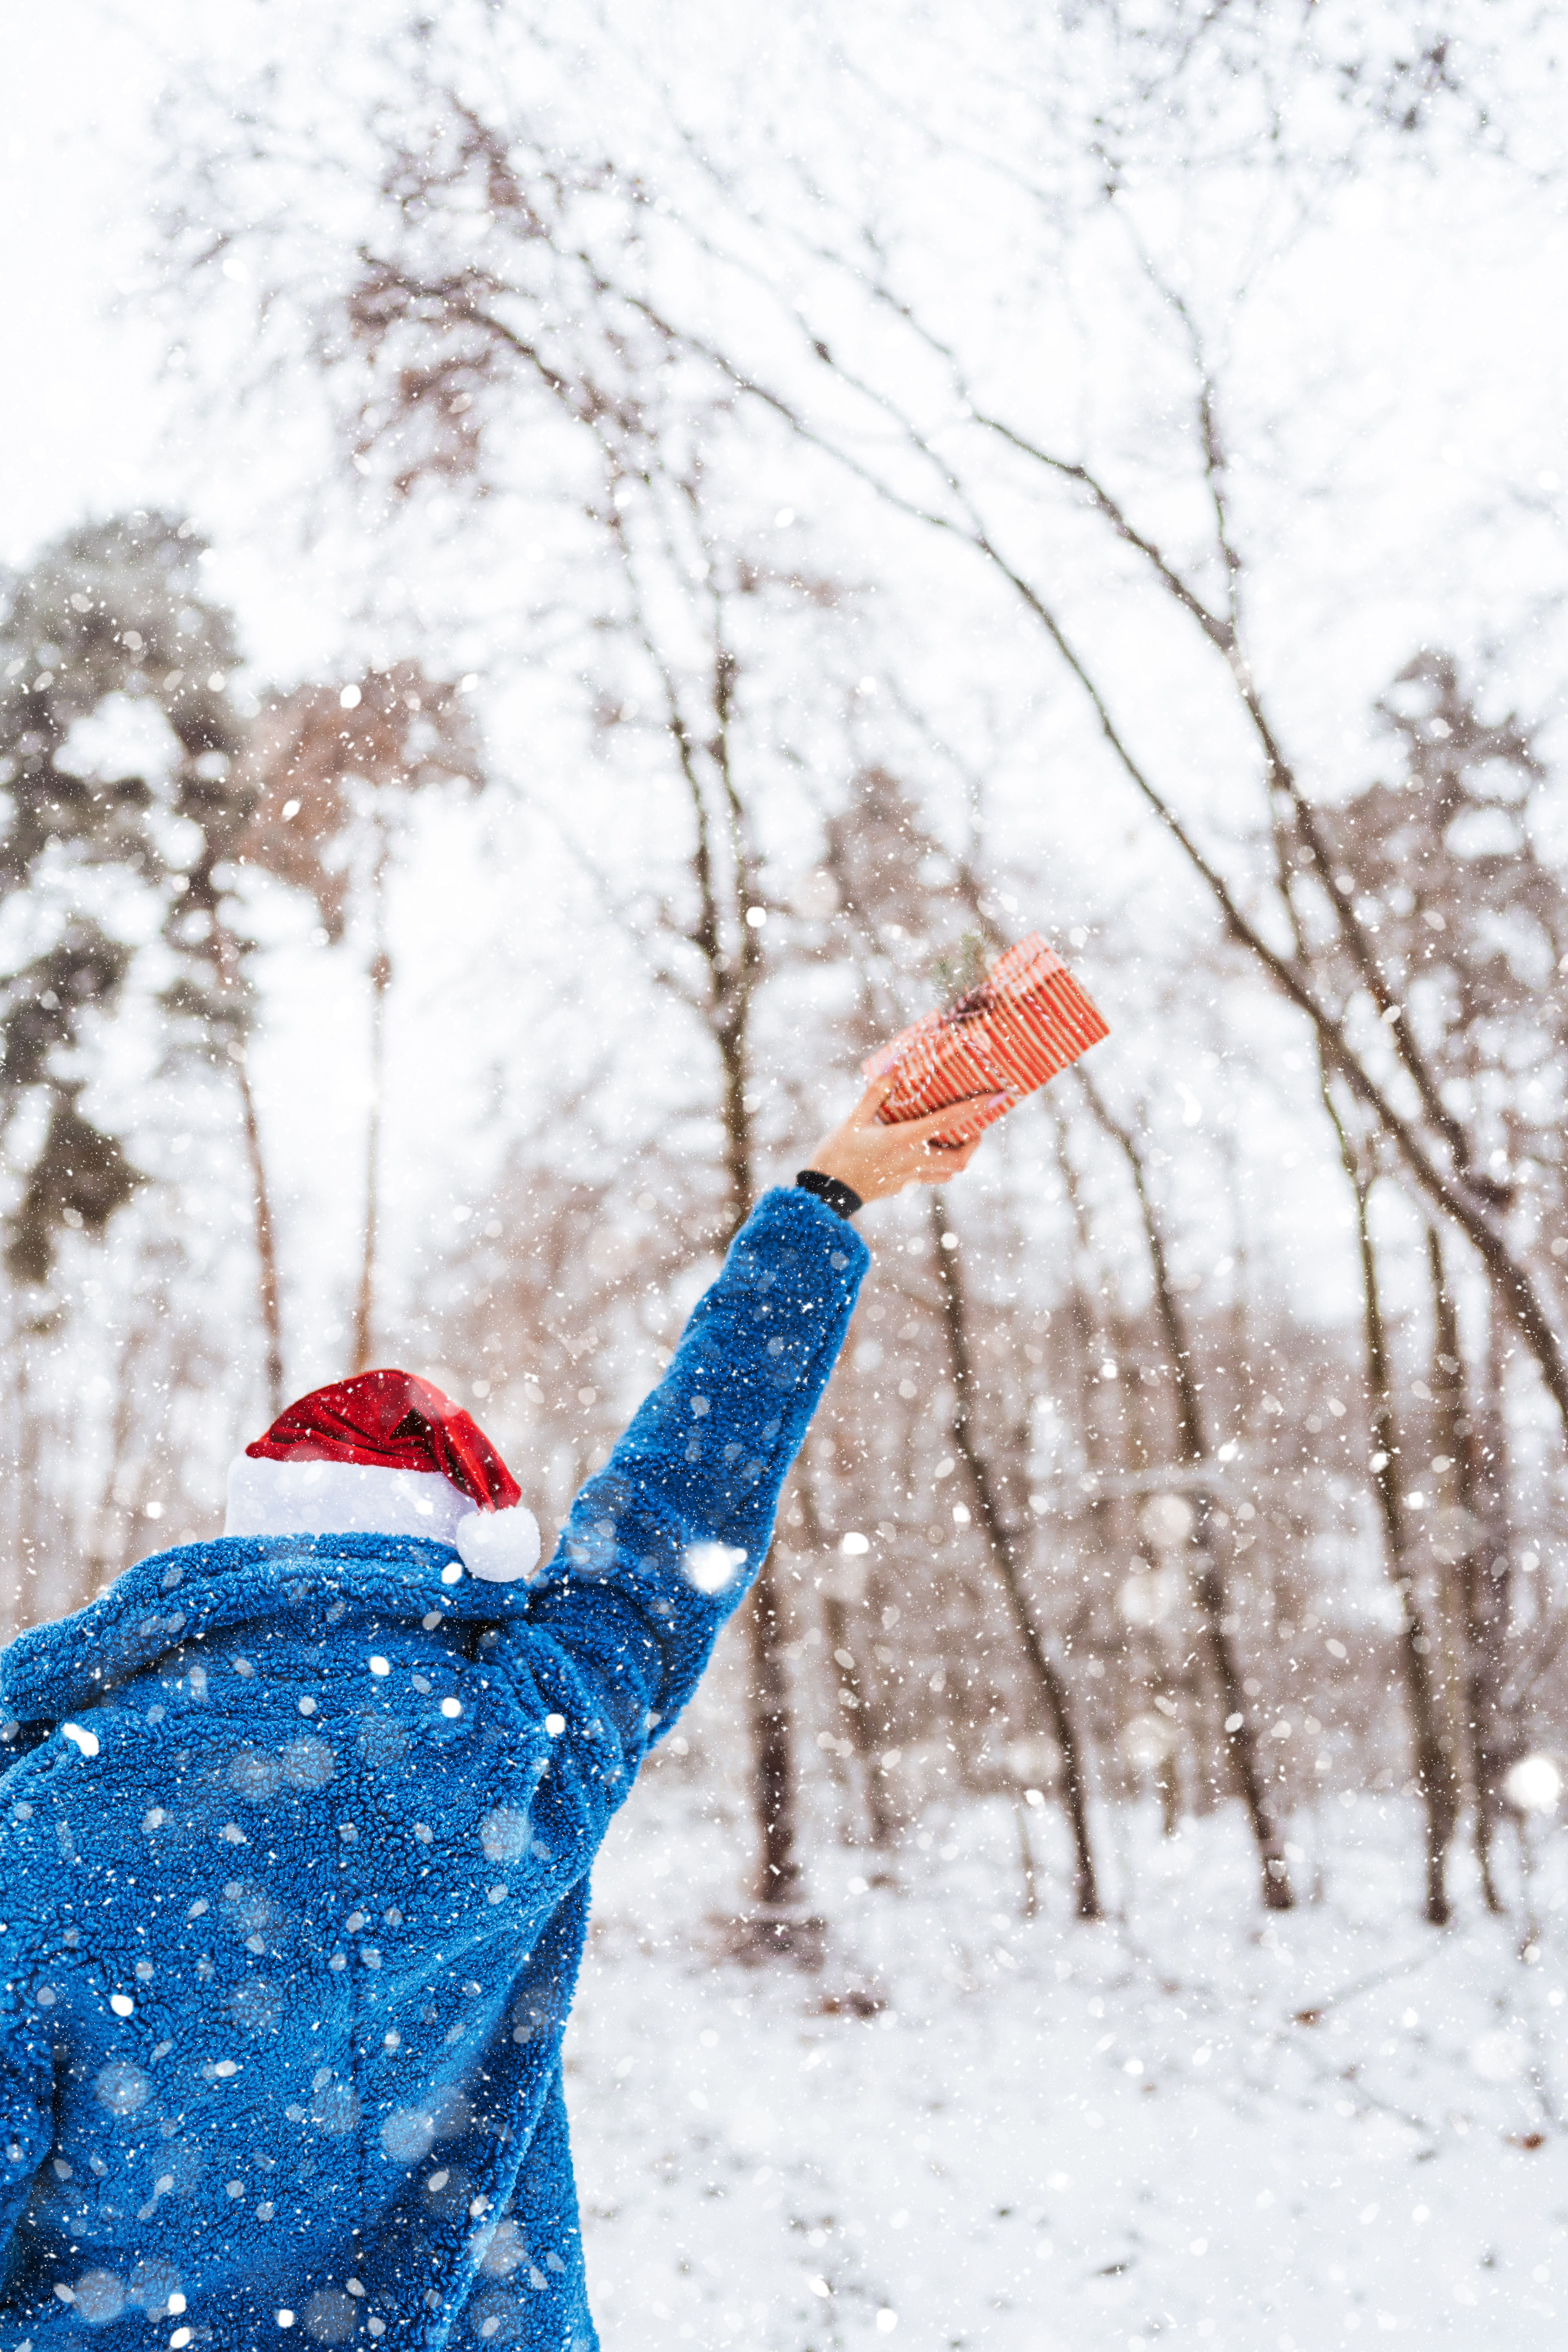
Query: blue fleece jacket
[294, 1867]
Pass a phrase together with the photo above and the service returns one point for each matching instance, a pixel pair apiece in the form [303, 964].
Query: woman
[294, 1850]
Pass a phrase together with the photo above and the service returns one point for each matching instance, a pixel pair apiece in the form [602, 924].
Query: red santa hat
[385, 1453]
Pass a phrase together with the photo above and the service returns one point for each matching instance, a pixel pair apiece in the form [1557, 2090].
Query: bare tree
[334, 772]
[722, 932]
[1469, 1537]
[432, 350]
[997, 1520]
[851, 1682]
[1208, 1579]
[1339, 976]
[502, 288]
[1436, 1779]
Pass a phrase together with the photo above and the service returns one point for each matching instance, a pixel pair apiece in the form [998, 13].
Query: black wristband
[842, 1199]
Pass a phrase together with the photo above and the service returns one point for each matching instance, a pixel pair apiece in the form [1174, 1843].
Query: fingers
[877, 1157]
[942, 1166]
[951, 1116]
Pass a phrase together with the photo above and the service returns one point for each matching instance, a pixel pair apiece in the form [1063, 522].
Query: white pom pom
[498, 1546]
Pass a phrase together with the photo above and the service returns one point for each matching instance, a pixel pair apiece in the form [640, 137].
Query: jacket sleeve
[663, 1543]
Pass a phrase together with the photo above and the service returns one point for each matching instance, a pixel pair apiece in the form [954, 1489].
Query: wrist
[840, 1197]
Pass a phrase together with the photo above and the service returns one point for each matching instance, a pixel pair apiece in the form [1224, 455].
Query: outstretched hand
[874, 1161]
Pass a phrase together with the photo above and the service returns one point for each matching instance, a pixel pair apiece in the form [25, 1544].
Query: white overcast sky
[79, 404]
[1426, 319]
[1440, 295]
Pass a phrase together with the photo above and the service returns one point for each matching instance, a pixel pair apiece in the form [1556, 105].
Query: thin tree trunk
[1435, 1776]
[23, 1470]
[774, 1779]
[11, 1489]
[733, 977]
[856, 1708]
[1474, 1483]
[1207, 1576]
[730, 949]
[380, 981]
[778, 1872]
[1502, 1744]
[1027, 1862]
[851, 1690]
[227, 959]
[1089, 1337]
[265, 1243]
[105, 1558]
[1001, 1545]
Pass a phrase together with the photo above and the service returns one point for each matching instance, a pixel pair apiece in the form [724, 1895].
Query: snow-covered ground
[1191, 2126]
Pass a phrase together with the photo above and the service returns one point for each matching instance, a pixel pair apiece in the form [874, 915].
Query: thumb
[875, 1095]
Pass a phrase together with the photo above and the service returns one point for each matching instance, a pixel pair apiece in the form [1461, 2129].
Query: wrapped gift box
[1027, 1019]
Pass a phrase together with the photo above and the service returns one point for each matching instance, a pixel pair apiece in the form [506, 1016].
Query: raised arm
[663, 1543]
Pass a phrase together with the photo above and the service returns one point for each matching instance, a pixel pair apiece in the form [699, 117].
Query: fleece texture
[294, 1862]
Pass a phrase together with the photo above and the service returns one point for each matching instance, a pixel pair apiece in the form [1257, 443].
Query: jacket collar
[194, 1590]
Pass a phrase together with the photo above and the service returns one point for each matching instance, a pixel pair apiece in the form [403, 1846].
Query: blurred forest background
[667, 543]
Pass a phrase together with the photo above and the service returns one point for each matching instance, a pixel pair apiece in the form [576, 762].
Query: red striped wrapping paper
[1027, 1019]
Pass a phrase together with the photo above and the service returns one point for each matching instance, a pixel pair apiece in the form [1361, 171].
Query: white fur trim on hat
[498, 1546]
[294, 1498]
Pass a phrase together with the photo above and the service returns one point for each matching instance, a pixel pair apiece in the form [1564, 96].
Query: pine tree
[111, 620]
